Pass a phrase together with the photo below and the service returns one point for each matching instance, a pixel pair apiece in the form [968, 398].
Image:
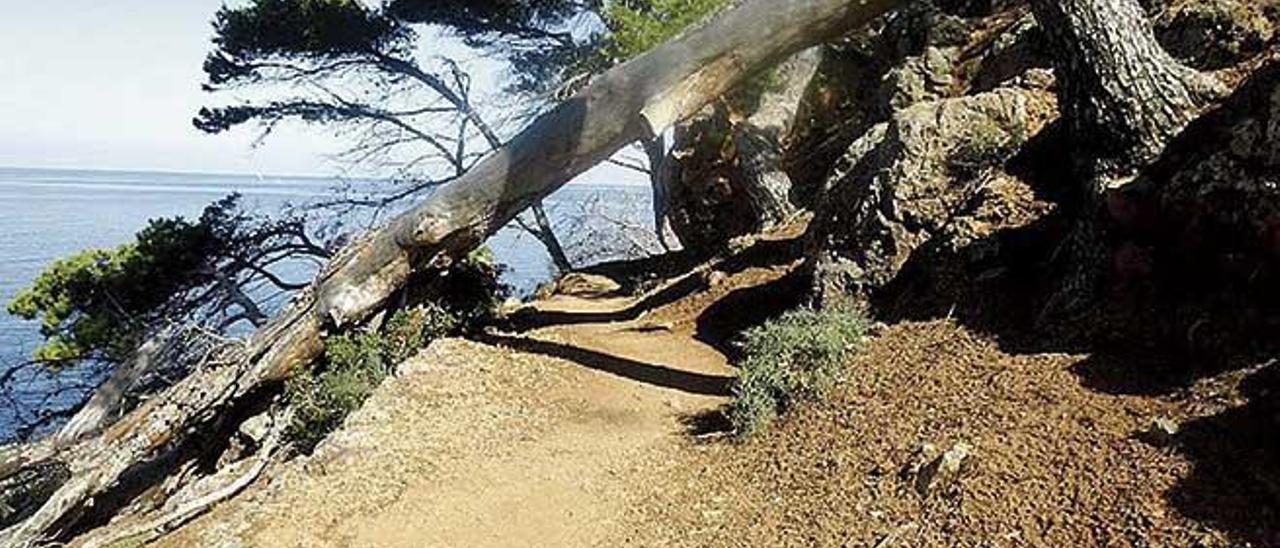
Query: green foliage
[97, 302]
[639, 26]
[483, 21]
[544, 40]
[794, 357]
[266, 29]
[414, 328]
[354, 365]
[453, 301]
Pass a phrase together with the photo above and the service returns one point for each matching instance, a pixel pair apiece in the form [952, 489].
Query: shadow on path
[689, 279]
[657, 375]
[528, 319]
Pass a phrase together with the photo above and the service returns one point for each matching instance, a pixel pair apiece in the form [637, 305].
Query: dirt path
[536, 439]
[575, 435]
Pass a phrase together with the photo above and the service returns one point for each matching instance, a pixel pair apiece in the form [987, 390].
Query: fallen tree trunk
[631, 102]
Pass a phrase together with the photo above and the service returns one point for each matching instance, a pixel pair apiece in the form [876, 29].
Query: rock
[943, 471]
[898, 536]
[926, 77]
[1016, 51]
[909, 180]
[1163, 432]
[249, 437]
[255, 429]
[545, 291]
[921, 457]
[578, 284]
[1210, 208]
[1213, 34]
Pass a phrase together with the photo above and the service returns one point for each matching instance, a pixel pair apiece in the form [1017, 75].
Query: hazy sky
[114, 84]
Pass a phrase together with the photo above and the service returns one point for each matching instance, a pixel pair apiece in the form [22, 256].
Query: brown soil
[593, 431]
[541, 438]
[1054, 462]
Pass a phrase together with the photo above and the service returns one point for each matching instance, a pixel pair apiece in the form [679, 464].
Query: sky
[114, 85]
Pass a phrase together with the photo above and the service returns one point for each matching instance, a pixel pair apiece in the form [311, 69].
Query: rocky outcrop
[1213, 34]
[1222, 177]
[578, 284]
[960, 87]
[921, 176]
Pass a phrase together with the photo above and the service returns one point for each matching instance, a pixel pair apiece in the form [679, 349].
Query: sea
[49, 213]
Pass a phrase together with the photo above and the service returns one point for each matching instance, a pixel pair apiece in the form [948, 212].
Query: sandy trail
[536, 439]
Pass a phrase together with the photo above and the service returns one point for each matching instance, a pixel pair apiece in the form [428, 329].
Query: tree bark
[760, 139]
[661, 175]
[108, 400]
[542, 229]
[634, 101]
[1123, 96]
[728, 163]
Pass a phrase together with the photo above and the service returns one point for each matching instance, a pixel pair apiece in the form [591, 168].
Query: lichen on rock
[915, 177]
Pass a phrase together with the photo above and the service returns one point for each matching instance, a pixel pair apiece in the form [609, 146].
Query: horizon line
[180, 172]
[334, 177]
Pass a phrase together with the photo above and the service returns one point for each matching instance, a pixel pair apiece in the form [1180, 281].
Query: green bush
[92, 303]
[638, 27]
[353, 365]
[456, 300]
[412, 329]
[794, 357]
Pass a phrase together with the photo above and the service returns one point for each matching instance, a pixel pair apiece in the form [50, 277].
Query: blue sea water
[46, 214]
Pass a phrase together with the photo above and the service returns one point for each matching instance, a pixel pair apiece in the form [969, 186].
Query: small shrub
[794, 357]
[353, 366]
[412, 329]
[442, 303]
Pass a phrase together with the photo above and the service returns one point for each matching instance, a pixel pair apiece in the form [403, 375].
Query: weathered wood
[1123, 96]
[661, 175]
[631, 102]
[108, 400]
[156, 527]
[760, 138]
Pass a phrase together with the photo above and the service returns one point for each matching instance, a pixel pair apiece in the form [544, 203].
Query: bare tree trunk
[1123, 98]
[108, 400]
[545, 234]
[541, 229]
[1122, 94]
[661, 172]
[760, 138]
[632, 102]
